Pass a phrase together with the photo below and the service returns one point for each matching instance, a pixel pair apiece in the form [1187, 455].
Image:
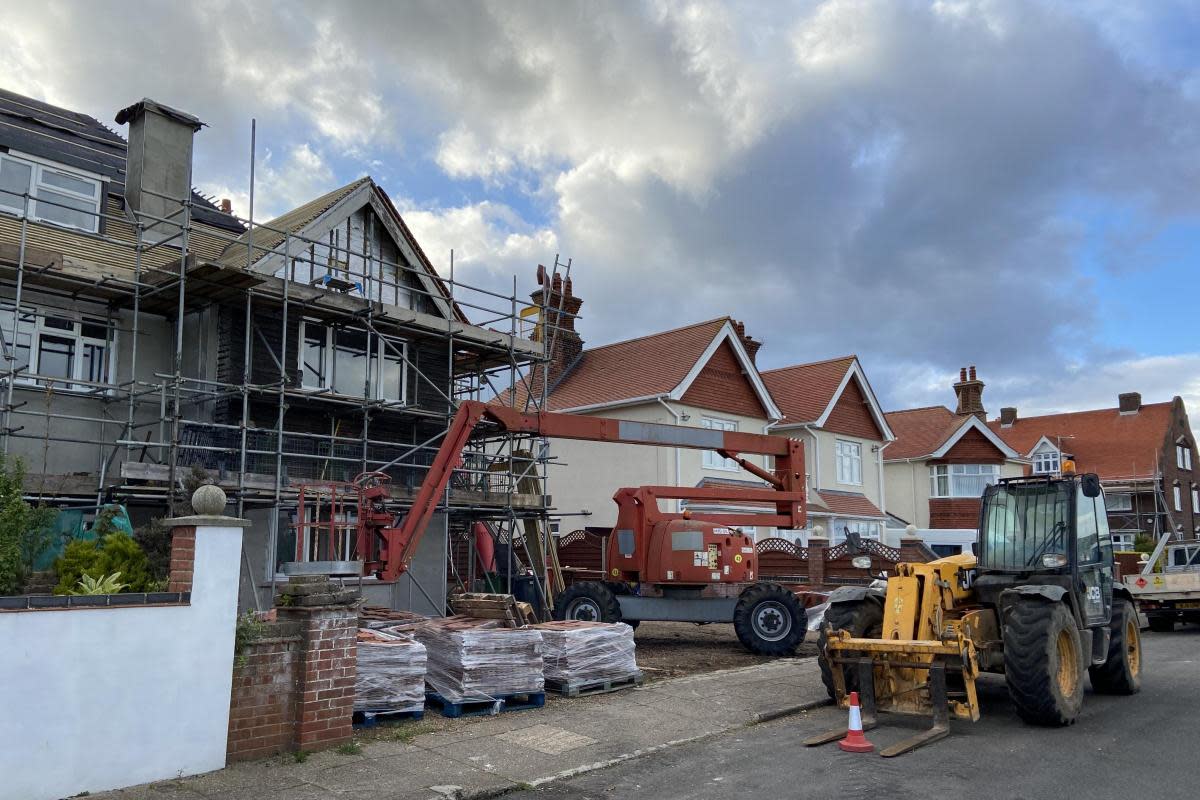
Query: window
[1178, 498]
[1183, 455]
[713, 460]
[865, 530]
[62, 197]
[1123, 541]
[849, 462]
[1046, 462]
[1121, 501]
[961, 480]
[56, 346]
[352, 362]
[1195, 499]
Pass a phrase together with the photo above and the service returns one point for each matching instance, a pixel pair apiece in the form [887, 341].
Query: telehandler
[1037, 602]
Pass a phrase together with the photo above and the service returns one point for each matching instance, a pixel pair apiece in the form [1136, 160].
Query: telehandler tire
[1043, 665]
[590, 601]
[1122, 672]
[769, 620]
[864, 620]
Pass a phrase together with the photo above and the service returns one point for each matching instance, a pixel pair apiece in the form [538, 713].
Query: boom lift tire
[1042, 662]
[623, 588]
[769, 620]
[1122, 672]
[1161, 623]
[589, 601]
[863, 619]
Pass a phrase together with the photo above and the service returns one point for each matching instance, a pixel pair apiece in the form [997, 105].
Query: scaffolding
[262, 434]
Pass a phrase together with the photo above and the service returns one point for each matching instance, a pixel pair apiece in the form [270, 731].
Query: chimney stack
[1129, 402]
[1008, 417]
[969, 390]
[559, 306]
[748, 342]
[158, 169]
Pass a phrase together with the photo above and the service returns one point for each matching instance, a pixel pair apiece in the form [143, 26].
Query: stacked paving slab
[473, 659]
[580, 653]
[391, 673]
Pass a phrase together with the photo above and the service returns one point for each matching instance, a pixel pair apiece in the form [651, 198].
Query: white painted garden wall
[94, 699]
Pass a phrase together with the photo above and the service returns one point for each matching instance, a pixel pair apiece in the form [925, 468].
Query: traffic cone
[855, 742]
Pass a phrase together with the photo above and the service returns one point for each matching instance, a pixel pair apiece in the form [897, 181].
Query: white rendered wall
[94, 699]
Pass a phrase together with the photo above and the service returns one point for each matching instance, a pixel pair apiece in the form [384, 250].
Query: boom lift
[1039, 605]
[662, 566]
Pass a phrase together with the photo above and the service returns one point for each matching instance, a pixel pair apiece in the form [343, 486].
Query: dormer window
[56, 194]
[1047, 460]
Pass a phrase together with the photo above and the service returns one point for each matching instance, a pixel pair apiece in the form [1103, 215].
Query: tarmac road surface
[1144, 746]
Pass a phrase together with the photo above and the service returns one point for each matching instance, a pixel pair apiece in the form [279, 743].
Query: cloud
[915, 182]
[280, 183]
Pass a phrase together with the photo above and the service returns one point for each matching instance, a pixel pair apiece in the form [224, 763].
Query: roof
[1104, 441]
[804, 391]
[657, 365]
[920, 431]
[77, 140]
[843, 504]
[272, 233]
[807, 393]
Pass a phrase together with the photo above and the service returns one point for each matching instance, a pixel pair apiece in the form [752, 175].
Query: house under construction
[148, 331]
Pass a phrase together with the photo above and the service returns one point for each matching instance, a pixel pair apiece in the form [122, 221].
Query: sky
[1013, 184]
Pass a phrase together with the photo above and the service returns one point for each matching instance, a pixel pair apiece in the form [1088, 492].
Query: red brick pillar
[183, 558]
[327, 664]
[817, 545]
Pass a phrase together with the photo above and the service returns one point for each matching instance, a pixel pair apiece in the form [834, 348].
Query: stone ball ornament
[209, 501]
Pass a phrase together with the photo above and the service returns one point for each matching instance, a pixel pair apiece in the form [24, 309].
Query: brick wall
[262, 707]
[954, 512]
[183, 559]
[293, 688]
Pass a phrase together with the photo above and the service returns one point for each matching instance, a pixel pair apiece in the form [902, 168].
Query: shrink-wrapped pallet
[473, 659]
[577, 652]
[391, 673]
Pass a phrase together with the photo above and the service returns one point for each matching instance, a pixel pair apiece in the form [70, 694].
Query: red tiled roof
[803, 391]
[920, 431]
[1111, 444]
[849, 504]
[647, 366]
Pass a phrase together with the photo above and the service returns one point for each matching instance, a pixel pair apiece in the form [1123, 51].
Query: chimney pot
[972, 372]
[1008, 416]
[962, 374]
[1129, 402]
[226, 206]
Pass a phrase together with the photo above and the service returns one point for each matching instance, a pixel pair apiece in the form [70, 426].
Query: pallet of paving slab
[585, 688]
[521, 701]
[370, 719]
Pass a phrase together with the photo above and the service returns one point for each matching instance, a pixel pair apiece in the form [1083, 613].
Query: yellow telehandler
[1038, 603]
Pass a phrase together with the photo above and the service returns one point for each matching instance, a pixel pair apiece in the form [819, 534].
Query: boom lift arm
[388, 550]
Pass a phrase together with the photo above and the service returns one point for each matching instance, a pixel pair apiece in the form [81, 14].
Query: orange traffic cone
[855, 742]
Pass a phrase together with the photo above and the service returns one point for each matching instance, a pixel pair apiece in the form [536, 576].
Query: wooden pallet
[502, 607]
[584, 688]
[369, 719]
[481, 708]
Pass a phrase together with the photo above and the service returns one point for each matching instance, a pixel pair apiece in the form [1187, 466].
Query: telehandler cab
[1037, 603]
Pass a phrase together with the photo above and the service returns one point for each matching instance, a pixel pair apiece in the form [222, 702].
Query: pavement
[1120, 747]
[485, 757]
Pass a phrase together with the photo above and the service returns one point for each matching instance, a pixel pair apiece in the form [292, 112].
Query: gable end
[972, 448]
[852, 415]
[722, 386]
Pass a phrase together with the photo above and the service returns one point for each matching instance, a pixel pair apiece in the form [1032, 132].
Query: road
[1121, 747]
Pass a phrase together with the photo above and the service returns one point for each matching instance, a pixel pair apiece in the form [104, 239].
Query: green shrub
[96, 559]
[24, 530]
[109, 584]
[155, 541]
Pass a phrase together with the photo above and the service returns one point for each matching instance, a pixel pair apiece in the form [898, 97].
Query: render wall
[97, 699]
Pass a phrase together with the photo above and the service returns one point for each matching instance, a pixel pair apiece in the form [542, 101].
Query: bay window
[352, 362]
[849, 462]
[864, 529]
[961, 480]
[57, 195]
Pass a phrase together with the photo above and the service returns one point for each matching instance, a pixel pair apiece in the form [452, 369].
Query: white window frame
[33, 324]
[711, 458]
[37, 170]
[950, 472]
[1195, 499]
[377, 352]
[1183, 456]
[1178, 497]
[1123, 541]
[1047, 461]
[866, 529]
[1111, 503]
[847, 456]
